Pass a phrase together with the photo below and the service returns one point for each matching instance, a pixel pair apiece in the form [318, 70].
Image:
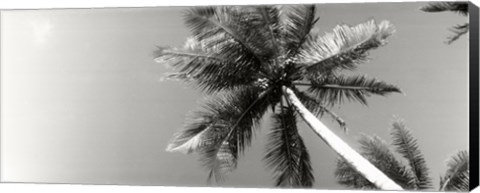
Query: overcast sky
[82, 100]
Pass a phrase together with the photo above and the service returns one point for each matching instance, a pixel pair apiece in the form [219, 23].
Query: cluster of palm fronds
[457, 175]
[245, 57]
[457, 7]
[412, 175]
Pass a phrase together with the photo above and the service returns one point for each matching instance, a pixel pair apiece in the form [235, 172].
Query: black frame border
[474, 99]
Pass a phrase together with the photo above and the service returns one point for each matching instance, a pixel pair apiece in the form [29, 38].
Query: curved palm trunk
[362, 165]
[444, 185]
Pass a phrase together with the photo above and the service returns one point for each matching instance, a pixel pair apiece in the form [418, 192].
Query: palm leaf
[378, 153]
[236, 32]
[458, 7]
[270, 17]
[331, 90]
[223, 128]
[258, 24]
[344, 48]
[298, 21]
[287, 154]
[203, 67]
[458, 31]
[347, 176]
[317, 108]
[221, 158]
[188, 58]
[210, 22]
[457, 177]
[205, 126]
[407, 146]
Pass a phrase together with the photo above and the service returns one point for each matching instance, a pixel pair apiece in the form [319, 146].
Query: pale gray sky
[82, 101]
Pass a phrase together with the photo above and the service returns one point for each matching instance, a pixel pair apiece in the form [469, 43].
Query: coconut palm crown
[252, 60]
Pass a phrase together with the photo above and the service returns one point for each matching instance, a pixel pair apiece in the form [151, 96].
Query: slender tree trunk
[444, 185]
[362, 165]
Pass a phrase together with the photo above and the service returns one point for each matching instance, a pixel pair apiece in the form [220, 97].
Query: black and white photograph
[326, 96]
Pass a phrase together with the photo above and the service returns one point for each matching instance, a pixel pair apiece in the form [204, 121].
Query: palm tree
[457, 7]
[412, 175]
[252, 59]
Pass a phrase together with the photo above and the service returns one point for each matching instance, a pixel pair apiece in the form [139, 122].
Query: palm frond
[407, 146]
[347, 176]
[298, 21]
[457, 6]
[336, 89]
[210, 22]
[180, 58]
[344, 48]
[270, 15]
[223, 128]
[204, 127]
[457, 177]
[259, 25]
[287, 154]
[203, 67]
[221, 158]
[458, 31]
[378, 153]
[239, 33]
[316, 107]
